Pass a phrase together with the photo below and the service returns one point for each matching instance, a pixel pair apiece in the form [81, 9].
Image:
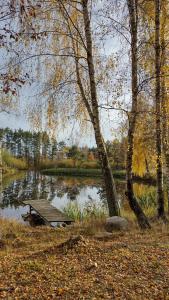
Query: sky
[72, 134]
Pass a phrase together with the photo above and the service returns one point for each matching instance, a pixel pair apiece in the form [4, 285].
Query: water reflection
[59, 190]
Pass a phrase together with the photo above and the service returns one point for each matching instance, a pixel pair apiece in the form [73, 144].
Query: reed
[91, 210]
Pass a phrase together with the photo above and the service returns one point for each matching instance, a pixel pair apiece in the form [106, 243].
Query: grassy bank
[43, 263]
[12, 167]
[99, 210]
[81, 172]
[10, 163]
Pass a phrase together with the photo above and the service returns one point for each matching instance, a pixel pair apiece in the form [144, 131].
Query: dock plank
[47, 211]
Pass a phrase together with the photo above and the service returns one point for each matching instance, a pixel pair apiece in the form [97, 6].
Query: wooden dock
[47, 212]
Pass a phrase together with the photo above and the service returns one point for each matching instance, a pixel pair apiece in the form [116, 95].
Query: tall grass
[10, 161]
[148, 200]
[91, 210]
[11, 226]
[97, 210]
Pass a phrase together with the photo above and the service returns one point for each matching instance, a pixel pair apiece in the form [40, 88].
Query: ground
[36, 264]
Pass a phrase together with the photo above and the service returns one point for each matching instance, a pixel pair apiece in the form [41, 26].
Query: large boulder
[116, 223]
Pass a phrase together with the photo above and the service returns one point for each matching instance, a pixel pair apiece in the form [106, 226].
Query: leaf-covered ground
[36, 264]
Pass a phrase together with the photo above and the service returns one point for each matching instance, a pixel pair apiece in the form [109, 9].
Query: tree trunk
[167, 176]
[103, 157]
[164, 98]
[1, 198]
[134, 205]
[160, 192]
[165, 128]
[142, 220]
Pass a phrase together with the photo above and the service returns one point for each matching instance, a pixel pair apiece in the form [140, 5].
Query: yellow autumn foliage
[144, 156]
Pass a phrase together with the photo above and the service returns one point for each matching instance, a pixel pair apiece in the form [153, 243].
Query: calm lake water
[60, 191]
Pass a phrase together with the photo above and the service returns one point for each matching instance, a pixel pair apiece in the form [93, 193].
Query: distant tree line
[30, 145]
[37, 146]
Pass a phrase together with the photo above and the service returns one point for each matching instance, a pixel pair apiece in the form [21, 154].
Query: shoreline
[77, 172]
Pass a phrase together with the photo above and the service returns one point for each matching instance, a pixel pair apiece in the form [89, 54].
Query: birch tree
[68, 27]
[133, 17]
[90, 97]
[158, 101]
[164, 90]
[130, 34]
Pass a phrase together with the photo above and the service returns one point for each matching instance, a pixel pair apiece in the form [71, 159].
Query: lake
[60, 191]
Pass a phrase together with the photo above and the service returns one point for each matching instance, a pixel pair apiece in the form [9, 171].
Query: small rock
[116, 223]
